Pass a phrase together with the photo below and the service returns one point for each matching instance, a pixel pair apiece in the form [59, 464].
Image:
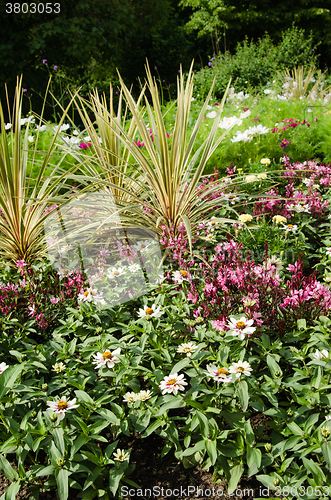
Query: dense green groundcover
[237, 328]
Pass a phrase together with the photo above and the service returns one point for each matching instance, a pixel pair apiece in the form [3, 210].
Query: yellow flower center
[183, 273]
[231, 197]
[212, 223]
[172, 381]
[290, 225]
[62, 405]
[107, 355]
[86, 293]
[149, 311]
[222, 371]
[116, 273]
[240, 325]
[142, 246]
[240, 369]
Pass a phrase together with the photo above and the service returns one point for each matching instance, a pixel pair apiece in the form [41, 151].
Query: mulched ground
[169, 474]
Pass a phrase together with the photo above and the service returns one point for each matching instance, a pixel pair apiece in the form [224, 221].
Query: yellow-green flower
[265, 161]
[279, 219]
[245, 218]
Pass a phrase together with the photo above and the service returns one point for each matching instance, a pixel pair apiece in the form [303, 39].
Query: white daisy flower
[298, 208]
[144, 395]
[65, 249]
[291, 227]
[121, 455]
[187, 348]
[274, 261]
[212, 114]
[3, 367]
[240, 368]
[231, 198]
[227, 122]
[62, 406]
[134, 268]
[8, 126]
[181, 275]
[106, 358]
[321, 355]
[59, 367]
[154, 312]
[142, 245]
[130, 397]
[241, 327]
[219, 374]
[172, 384]
[91, 295]
[245, 114]
[115, 272]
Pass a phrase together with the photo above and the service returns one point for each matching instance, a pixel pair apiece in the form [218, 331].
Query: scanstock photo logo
[120, 263]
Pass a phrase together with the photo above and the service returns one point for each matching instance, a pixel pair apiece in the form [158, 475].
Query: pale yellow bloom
[245, 218]
[121, 455]
[265, 161]
[251, 178]
[279, 219]
[262, 175]
[59, 367]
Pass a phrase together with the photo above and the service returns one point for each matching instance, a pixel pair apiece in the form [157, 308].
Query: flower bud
[60, 462]
[289, 413]
[325, 432]
[53, 417]
[276, 481]
[267, 447]
[44, 387]
[277, 373]
[192, 322]
[33, 414]
[199, 320]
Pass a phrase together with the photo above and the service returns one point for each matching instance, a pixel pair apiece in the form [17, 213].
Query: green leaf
[267, 481]
[235, 475]
[7, 469]
[254, 457]
[211, 447]
[58, 439]
[200, 445]
[243, 394]
[315, 469]
[273, 367]
[115, 476]
[204, 426]
[44, 471]
[302, 325]
[92, 477]
[61, 476]
[152, 428]
[326, 450]
[78, 443]
[180, 365]
[174, 403]
[83, 396]
[12, 491]
[8, 378]
[295, 429]
[250, 437]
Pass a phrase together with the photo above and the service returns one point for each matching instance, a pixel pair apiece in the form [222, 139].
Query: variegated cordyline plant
[162, 187]
[26, 202]
[299, 80]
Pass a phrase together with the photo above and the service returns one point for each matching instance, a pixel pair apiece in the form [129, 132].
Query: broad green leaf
[315, 469]
[8, 378]
[243, 394]
[267, 481]
[176, 402]
[12, 491]
[58, 439]
[273, 366]
[180, 365]
[235, 475]
[7, 469]
[211, 447]
[115, 476]
[326, 450]
[78, 443]
[61, 476]
[83, 396]
[254, 457]
[199, 446]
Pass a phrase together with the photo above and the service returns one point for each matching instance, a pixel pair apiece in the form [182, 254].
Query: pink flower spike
[55, 300]
[20, 264]
[32, 311]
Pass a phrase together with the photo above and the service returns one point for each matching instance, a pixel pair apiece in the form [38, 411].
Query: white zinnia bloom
[142, 245]
[241, 327]
[219, 374]
[134, 268]
[153, 311]
[130, 397]
[172, 384]
[106, 358]
[187, 348]
[143, 395]
[115, 272]
[121, 455]
[321, 355]
[3, 367]
[180, 276]
[291, 227]
[62, 406]
[240, 368]
[91, 295]
[59, 367]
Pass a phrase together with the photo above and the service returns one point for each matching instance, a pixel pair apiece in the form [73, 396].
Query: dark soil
[169, 474]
